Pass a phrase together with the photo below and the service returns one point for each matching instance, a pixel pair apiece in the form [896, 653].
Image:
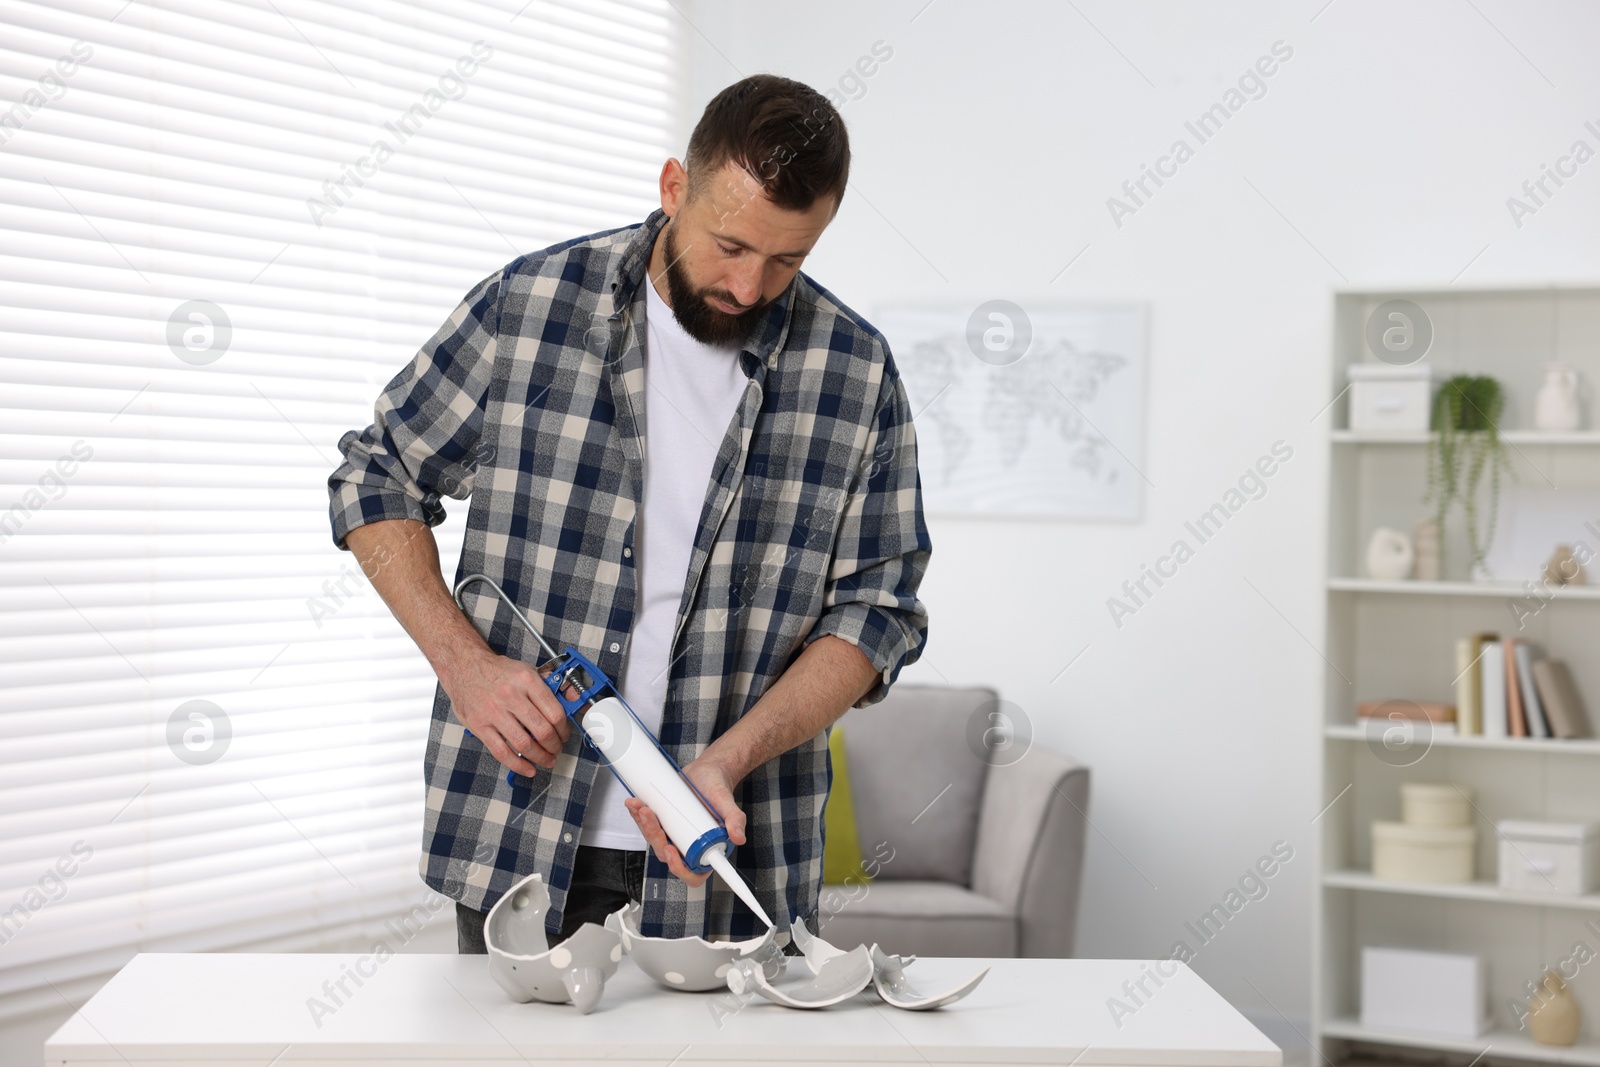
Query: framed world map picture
[1035, 411]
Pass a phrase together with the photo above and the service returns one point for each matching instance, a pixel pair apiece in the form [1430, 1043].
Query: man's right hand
[508, 706]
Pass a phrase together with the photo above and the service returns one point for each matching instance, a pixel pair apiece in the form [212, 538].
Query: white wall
[1382, 153]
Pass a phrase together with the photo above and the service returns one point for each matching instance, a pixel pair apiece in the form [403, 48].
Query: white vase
[1555, 410]
[1389, 554]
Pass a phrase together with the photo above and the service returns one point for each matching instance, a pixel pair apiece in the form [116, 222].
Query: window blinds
[223, 227]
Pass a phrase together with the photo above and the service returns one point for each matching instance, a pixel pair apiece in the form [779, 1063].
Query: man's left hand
[716, 784]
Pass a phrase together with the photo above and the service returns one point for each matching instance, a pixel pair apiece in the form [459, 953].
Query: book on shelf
[1492, 686]
[1527, 653]
[1559, 698]
[1516, 720]
[1469, 683]
[1379, 726]
[1414, 719]
[1431, 710]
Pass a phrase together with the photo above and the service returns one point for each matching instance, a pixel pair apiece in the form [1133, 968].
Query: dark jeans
[603, 880]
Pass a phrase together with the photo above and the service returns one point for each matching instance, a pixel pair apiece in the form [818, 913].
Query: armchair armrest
[1032, 822]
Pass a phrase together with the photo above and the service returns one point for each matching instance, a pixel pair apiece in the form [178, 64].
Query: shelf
[1485, 892]
[1410, 587]
[1399, 639]
[1420, 437]
[1503, 1043]
[1574, 747]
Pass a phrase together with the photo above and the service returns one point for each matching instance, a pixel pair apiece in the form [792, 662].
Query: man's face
[729, 252]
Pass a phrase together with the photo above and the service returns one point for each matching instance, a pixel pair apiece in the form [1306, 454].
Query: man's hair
[787, 135]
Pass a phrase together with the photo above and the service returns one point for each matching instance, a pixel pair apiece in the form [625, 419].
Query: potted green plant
[1465, 443]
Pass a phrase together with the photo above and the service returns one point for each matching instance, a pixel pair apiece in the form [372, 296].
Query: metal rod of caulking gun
[490, 582]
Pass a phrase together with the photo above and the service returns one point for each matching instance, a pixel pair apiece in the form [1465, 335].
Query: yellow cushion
[841, 847]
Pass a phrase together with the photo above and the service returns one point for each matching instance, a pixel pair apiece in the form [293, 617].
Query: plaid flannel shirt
[530, 400]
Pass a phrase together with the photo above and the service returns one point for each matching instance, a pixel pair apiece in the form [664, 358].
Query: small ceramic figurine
[1389, 554]
[1564, 568]
[1425, 558]
[1553, 1013]
[520, 963]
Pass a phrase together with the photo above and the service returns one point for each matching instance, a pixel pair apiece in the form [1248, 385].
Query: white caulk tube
[646, 772]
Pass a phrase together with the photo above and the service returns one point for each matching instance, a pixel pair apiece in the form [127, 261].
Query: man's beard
[698, 318]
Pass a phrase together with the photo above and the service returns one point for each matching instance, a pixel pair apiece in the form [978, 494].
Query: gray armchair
[975, 852]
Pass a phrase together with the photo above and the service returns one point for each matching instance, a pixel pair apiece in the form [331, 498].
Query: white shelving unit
[1396, 640]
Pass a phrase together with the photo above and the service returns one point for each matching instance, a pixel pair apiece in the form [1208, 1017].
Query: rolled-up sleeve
[881, 551]
[425, 439]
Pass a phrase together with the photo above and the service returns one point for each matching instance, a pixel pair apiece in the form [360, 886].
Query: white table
[428, 1010]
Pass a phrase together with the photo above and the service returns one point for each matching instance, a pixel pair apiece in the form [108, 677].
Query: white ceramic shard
[692, 963]
[816, 951]
[888, 973]
[888, 976]
[838, 978]
[574, 971]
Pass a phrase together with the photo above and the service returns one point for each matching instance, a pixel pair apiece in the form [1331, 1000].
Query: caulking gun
[635, 756]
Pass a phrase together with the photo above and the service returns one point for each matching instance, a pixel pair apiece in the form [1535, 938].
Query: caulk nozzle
[724, 867]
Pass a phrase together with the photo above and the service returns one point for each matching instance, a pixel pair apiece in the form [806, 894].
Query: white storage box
[1426, 992]
[1549, 857]
[1384, 397]
[1405, 853]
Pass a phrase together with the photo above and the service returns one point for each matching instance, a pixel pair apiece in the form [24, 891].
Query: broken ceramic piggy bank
[522, 963]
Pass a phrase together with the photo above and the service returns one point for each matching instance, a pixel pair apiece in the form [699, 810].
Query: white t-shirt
[692, 392]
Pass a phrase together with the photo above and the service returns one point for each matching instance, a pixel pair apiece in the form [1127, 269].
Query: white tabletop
[426, 1010]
